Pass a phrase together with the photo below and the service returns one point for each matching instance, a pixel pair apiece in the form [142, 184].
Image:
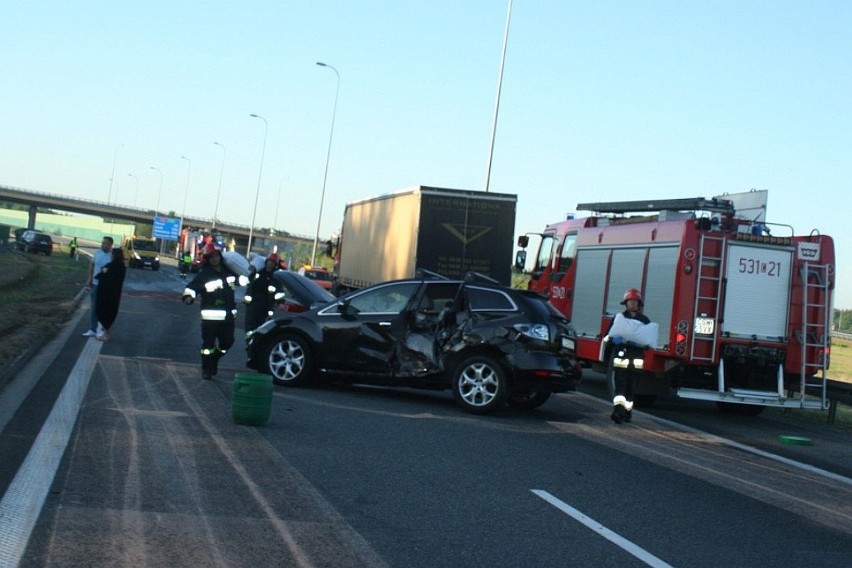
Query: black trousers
[216, 338]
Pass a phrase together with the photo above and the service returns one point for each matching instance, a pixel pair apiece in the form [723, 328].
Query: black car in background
[34, 241]
[488, 343]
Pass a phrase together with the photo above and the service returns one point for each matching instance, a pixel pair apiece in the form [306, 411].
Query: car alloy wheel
[479, 385]
[288, 360]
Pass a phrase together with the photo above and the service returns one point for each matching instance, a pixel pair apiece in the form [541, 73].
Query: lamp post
[135, 195]
[259, 174]
[327, 157]
[218, 193]
[186, 193]
[112, 175]
[160, 192]
[278, 204]
[497, 103]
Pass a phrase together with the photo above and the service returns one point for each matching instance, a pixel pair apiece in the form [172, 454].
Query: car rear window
[483, 299]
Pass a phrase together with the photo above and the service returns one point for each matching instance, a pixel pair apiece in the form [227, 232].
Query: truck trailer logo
[466, 233]
[808, 252]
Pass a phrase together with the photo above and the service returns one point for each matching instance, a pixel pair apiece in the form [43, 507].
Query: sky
[600, 101]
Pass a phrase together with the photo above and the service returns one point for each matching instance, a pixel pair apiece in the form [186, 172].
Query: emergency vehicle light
[766, 239]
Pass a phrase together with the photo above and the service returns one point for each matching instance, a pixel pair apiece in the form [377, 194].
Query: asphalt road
[156, 473]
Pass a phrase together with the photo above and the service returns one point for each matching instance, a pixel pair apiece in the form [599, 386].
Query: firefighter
[184, 263]
[627, 359]
[262, 293]
[215, 285]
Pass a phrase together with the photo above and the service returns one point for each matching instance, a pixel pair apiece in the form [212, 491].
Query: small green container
[252, 400]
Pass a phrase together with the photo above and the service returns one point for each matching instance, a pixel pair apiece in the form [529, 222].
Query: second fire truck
[743, 306]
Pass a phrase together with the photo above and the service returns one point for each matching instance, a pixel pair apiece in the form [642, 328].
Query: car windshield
[318, 275]
[144, 245]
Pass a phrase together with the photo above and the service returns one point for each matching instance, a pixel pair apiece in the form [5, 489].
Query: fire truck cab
[743, 306]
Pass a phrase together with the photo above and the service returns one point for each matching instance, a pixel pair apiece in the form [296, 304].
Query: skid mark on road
[826, 499]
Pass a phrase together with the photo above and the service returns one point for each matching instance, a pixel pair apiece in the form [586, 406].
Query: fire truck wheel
[740, 409]
[528, 400]
[479, 384]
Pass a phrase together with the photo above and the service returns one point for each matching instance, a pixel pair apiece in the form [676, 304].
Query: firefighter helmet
[632, 294]
[273, 256]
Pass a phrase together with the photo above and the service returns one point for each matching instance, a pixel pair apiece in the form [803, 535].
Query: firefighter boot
[628, 411]
[619, 409]
[207, 367]
[214, 358]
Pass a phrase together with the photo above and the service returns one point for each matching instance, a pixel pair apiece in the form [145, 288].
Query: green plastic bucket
[252, 399]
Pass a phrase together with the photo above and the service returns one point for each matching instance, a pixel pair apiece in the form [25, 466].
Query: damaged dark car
[487, 343]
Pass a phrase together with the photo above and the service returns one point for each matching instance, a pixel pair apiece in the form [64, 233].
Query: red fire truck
[743, 306]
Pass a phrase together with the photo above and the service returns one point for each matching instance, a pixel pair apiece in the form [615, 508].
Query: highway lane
[156, 473]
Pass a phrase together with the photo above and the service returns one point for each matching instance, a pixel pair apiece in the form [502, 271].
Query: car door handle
[384, 324]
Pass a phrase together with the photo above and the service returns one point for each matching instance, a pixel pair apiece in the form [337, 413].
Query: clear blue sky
[601, 100]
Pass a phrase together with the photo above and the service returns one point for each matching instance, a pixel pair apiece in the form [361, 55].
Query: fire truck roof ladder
[714, 205]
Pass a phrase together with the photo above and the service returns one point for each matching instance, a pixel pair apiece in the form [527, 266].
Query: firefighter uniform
[627, 361]
[262, 293]
[215, 285]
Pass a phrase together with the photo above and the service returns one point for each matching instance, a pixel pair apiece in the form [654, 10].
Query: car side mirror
[345, 308]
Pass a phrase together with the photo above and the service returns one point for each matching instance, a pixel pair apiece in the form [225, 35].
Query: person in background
[628, 360]
[72, 247]
[215, 285]
[110, 281]
[185, 263]
[262, 293]
[100, 259]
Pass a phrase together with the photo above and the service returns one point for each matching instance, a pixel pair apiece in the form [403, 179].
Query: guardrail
[841, 335]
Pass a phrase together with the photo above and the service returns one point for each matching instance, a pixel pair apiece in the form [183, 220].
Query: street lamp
[135, 195]
[112, 175]
[278, 205]
[160, 192]
[259, 174]
[327, 157]
[218, 193]
[186, 193]
[497, 103]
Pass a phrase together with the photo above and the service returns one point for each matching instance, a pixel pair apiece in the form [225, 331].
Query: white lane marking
[24, 499]
[616, 539]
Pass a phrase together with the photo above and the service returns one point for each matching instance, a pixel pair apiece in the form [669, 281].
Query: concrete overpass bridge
[34, 200]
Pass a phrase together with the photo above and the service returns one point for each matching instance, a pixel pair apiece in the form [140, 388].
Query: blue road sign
[166, 227]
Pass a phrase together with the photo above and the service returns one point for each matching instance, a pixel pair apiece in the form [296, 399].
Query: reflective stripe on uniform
[622, 363]
[189, 292]
[621, 400]
[214, 315]
[213, 285]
